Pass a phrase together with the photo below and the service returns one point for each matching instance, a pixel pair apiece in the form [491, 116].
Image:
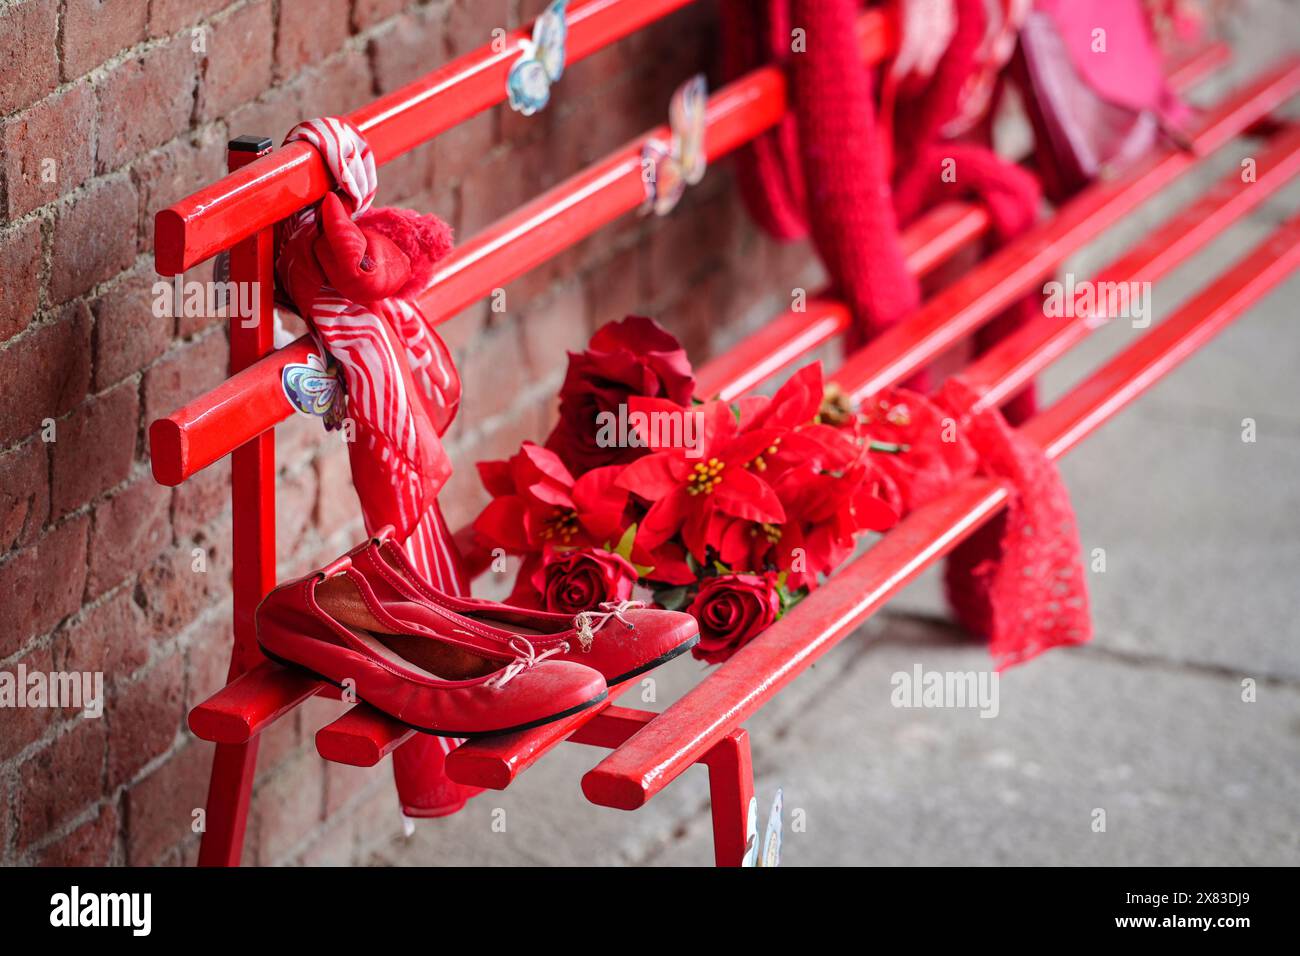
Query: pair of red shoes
[452, 666]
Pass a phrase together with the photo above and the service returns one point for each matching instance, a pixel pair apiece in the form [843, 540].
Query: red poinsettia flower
[931, 455]
[634, 357]
[803, 441]
[536, 502]
[820, 475]
[689, 485]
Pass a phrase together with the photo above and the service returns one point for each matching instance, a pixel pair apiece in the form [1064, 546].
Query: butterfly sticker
[542, 62]
[314, 388]
[668, 168]
[767, 853]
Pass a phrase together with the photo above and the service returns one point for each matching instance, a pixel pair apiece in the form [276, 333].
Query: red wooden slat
[1010, 272]
[275, 187]
[250, 703]
[205, 430]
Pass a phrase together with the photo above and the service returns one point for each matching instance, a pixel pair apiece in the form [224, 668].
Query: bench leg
[731, 788]
[226, 817]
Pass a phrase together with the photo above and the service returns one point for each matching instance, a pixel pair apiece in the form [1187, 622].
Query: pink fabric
[345, 267]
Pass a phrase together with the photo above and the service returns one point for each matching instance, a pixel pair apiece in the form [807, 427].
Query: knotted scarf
[351, 272]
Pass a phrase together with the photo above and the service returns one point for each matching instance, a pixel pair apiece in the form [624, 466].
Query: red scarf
[350, 271]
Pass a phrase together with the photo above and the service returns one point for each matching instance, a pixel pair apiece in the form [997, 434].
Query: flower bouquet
[733, 511]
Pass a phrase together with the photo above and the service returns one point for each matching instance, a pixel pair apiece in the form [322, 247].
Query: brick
[336, 503]
[188, 325]
[95, 448]
[299, 437]
[287, 808]
[480, 372]
[6, 820]
[130, 330]
[93, 237]
[308, 32]
[272, 114]
[490, 189]
[44, 373]
[238, 63]
[207, 660]
[613, 288]
[200, 499]
[42, 584]
[174, 171]
[464, 147]
[94, 30]
[127, 532]
[145, 718]
[333, 88]
[407, 180]
[159, 809]
[28, 32]
[48, 149]
[168, 16]
[400, 52]
[20, 276]
[560, 324]
[146, 101]
[367, 13]
[294, 509]
[470, 25]
[112, 637]
[184, 373]
[26, 725]
[90, 844]
[341, 84]
[62, 780]
[24, 494]
[171, 593]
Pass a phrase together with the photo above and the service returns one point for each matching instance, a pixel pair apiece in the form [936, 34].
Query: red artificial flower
[826, 488]
[732, 609]
[931, 455]
[568, 582]
[536, 503]
[689, 486]
[634, 357]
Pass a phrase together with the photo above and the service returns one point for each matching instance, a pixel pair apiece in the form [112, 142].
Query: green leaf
[674, 599]
[624, 547]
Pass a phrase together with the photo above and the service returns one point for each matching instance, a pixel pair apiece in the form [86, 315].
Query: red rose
[633, 357]
[568, 582]
[731, 610]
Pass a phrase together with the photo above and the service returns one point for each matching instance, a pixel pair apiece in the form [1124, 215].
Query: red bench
[649, 751]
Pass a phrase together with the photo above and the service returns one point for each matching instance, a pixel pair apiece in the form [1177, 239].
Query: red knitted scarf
[823, 171]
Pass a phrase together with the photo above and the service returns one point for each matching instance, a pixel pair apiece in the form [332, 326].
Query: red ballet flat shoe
[619, 640]
[433, 680]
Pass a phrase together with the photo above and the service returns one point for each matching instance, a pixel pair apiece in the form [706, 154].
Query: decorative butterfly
[315, 388]
[767, 853]
[541, 63]
[680, 163]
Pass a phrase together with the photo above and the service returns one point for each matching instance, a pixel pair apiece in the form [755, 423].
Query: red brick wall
[96, 561]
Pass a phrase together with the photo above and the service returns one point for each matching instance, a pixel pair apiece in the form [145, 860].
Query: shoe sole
[677, 651]
[465, 734]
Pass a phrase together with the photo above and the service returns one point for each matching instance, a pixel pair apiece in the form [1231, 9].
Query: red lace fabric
[1021, 581]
